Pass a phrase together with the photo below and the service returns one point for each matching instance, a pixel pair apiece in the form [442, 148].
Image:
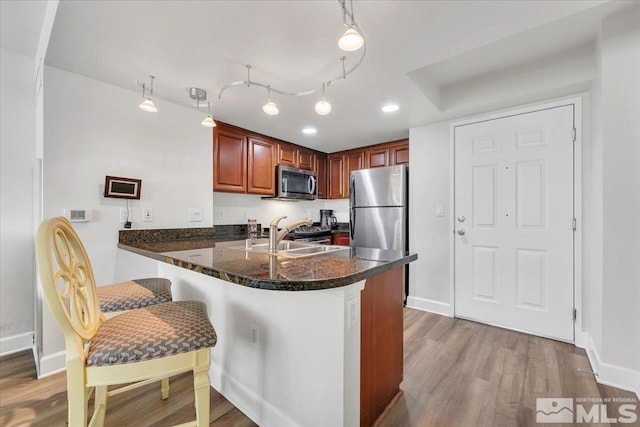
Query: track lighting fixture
[323, 107]
[147, 104]
[351, 40]
[208, 121]
[270, 107]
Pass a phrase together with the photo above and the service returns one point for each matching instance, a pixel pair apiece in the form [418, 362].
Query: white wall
[93, 129]
[229, 208]
[17, 153]
[429, 278]
[610, 197]
[620, 113]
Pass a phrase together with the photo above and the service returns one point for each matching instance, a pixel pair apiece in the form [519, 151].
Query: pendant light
[270, 107]
[208, 121]
[323, 107]
[147, 104]
[351, 40]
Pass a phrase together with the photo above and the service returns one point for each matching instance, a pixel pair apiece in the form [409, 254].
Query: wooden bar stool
[140, 345]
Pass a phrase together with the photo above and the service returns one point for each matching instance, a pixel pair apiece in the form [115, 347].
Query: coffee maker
[327, 219]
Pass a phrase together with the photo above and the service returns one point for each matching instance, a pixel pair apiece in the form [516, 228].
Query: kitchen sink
[282, 246]
[290, 249]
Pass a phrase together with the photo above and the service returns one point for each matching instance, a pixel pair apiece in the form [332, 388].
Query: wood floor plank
[457, 373]
[27, 401]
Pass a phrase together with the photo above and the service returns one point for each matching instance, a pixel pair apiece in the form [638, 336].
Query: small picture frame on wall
[122, 188]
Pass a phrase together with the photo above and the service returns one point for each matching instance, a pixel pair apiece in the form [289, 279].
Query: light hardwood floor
[26, 401]
[461, 373]
[456, 373]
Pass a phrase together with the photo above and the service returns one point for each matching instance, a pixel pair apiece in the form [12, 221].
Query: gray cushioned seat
[134, 294]
[151, 332]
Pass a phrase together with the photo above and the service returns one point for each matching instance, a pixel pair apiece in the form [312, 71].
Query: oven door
[296, 183]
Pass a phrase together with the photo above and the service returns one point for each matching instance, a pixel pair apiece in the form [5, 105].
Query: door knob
[461, 218]
[461, 232]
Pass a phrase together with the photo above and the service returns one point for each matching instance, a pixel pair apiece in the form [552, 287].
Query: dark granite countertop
[258, 270]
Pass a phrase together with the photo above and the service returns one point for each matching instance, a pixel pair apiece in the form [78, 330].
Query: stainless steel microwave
[295, 184]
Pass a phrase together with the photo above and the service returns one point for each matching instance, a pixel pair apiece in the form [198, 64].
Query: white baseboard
[252, 405]
[52, 364]
[610, 374]
[16, 343]
[429, 305]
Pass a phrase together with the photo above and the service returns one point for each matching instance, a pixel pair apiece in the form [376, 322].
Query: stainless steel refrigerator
[378, 208]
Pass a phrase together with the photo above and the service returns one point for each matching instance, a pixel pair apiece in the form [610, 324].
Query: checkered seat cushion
[134, 294]
[152, 332]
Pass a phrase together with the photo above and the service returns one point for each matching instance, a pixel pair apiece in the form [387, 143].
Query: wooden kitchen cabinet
[335, 172]
[353, 160]
[341, 239]
[306, 159]
[399, 153]
[339, 170]
[381, 345]
[320, 168]
[377, 157]
[287, 155]
[261, 158]
[229, 160]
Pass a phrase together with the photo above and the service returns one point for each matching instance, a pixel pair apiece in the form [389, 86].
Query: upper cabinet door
[335, 170]
[306, 159]
[229, 161]
[399, 153]
[353, 160]
[287, 155]
[377, 157]
[321, 170]
[261, 167]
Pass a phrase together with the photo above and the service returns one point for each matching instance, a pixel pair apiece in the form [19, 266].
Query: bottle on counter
[252, 228]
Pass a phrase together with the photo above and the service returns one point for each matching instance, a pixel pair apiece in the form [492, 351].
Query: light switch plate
[195, 214]
[439, 209]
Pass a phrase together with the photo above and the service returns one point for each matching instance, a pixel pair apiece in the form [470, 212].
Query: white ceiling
[419, 53]
[20, 24]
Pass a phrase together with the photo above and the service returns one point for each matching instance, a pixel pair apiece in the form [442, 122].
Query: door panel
[379, 187]
[383, 228]
[260, 164]
[513, 216]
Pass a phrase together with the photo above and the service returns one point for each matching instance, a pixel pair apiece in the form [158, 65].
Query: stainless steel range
[313, 234]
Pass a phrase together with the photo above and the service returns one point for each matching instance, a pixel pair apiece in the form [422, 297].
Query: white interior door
[514, 210]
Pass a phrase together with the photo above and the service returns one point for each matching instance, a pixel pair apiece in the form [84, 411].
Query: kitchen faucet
[275, 236]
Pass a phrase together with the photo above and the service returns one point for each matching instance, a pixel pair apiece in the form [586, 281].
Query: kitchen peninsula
[307, 341]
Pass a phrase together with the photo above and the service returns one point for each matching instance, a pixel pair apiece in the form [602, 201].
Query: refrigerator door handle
[352, 223]
[352, 190]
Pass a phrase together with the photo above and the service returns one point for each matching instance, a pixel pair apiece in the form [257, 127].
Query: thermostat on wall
[78, 215]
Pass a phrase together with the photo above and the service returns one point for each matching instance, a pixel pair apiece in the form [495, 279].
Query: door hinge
[574, 224]
[575, 314]
[573, 134]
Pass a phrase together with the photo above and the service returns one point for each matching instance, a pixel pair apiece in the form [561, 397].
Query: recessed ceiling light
[390, 107]
[309, 131]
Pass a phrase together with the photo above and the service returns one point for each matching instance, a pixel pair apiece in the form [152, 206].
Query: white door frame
[577, 201]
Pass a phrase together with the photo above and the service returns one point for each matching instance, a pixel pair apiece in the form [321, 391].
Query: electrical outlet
[253, 329]
[353, 311]
[125, 214]
[195, 214]
[147, 214]
[220, 214]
